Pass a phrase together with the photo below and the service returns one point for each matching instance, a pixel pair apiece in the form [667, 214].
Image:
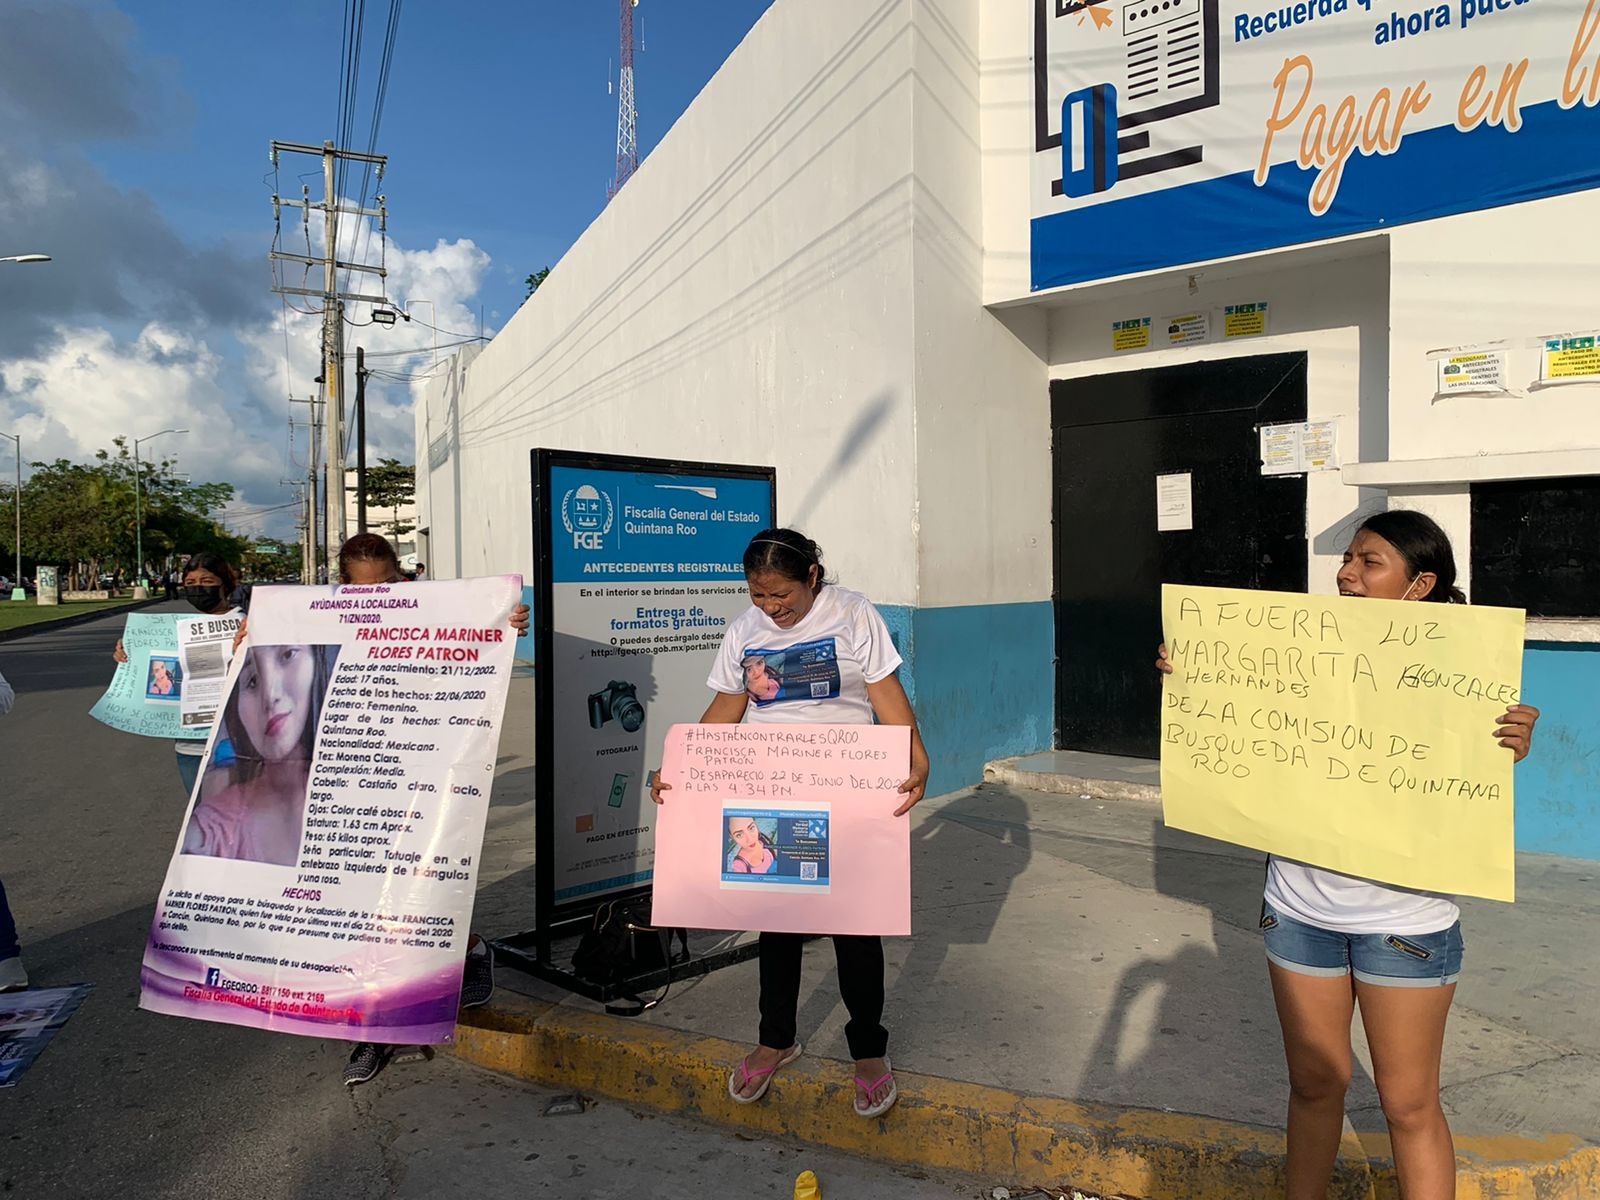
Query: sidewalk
[1085, 1002]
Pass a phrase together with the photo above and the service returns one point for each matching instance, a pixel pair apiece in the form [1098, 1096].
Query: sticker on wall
[1573, 359]
[1299, 448]
[1482, 373]
[1174, 502]
[1244, 320]
[1188, 329]
[1132, 334]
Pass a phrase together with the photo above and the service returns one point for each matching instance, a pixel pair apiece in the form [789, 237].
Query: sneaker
[366, 1060]
[12, 977]
[477, 978]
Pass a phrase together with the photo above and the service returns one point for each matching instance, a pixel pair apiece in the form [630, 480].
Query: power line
[386, 61]
[466, 341]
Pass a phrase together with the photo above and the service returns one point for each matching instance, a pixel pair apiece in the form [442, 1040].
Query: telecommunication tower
[627, 115]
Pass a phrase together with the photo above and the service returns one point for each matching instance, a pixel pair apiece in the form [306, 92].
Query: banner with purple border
[1172, 132]
[323, 879]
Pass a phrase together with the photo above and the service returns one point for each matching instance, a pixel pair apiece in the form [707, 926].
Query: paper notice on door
[1319, 446]
[1482, 373]
[1174, 502]
[1280, 450]
[1301, 447]
[1188, 329]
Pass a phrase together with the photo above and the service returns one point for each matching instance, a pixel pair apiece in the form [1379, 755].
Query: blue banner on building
[1170, 132]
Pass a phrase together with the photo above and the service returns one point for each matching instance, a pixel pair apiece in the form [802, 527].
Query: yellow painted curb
[1035, 1141]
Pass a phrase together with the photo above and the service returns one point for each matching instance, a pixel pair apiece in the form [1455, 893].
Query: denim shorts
[1388, 960]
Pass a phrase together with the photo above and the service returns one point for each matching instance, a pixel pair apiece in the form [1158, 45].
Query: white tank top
[1346, 904]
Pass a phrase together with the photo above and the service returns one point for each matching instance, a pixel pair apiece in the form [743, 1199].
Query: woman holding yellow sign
[1334, 940]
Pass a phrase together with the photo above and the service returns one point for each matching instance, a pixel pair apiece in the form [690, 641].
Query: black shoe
[366, 1060]
[477, 978]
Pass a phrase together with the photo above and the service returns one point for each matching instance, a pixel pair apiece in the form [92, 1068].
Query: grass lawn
[16, 613]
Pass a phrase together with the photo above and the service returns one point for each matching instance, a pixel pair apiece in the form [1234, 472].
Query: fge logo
[587, 513]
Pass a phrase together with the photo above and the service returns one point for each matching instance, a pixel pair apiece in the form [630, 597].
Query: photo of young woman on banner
[324, 876]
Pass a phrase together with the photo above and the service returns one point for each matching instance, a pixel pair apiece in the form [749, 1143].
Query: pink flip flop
[742, 1075]
[865, 1088]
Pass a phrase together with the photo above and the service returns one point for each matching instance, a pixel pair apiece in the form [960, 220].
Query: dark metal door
[1114, 434]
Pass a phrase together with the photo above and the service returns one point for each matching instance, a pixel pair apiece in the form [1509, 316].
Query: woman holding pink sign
[808, 652]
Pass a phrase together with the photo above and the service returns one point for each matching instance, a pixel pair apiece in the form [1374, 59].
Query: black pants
[860, 962]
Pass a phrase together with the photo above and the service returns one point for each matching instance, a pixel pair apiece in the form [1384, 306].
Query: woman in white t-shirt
[1333, 940]
[808, 652]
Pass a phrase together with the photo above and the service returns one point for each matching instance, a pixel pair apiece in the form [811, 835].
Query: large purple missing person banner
[324, 874]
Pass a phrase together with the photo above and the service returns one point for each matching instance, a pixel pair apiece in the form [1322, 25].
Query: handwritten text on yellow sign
[1353, 734]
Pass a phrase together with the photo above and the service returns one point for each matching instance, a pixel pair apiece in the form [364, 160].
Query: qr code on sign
[819, 690]
[808, 870]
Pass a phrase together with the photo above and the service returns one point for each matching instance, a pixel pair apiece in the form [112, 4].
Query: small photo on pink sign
[785, 829]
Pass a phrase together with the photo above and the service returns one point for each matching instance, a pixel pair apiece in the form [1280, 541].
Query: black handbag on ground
[621, 944]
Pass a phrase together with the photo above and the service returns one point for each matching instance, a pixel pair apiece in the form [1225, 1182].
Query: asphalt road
[125, 1103]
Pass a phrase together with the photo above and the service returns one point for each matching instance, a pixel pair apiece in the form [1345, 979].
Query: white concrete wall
[983, 442]
[1006, 136]
[1330, 303]
[747, 298]
[1509, 274]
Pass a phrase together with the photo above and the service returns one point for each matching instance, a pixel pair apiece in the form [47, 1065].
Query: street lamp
[17, 592]
[138, 505]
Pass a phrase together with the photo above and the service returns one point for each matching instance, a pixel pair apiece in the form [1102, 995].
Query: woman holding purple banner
[839, 668]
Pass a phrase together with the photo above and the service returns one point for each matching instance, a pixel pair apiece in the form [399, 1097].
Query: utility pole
[332, 378]
[17, 591]
[311, 555]
[361, 440]
[302, 522]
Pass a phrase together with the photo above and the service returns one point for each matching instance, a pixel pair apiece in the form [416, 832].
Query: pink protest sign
[785, 828]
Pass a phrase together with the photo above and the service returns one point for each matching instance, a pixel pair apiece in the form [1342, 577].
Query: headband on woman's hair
[776, 542]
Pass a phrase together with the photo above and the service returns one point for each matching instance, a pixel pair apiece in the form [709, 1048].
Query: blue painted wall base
[1558, 785]
[982, 681]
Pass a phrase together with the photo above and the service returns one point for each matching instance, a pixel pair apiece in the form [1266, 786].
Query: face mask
[206, 599]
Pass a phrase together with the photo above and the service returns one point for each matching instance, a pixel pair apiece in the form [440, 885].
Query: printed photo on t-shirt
[809, 671]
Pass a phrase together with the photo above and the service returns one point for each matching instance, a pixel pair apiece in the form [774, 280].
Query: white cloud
[231, 390]
[135, 328]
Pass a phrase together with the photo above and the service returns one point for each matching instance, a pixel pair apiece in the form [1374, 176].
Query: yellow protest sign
[1351, 734]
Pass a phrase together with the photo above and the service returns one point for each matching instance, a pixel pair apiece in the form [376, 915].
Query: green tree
[392, 484]
[271, 562]
[82, 517]
[535, 280]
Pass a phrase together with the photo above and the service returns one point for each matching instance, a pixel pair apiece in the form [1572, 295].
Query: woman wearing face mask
[211, 585]
[271, 722]
[1334, 941]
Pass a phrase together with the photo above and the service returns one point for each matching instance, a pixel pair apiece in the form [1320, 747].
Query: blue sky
[134, 149]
